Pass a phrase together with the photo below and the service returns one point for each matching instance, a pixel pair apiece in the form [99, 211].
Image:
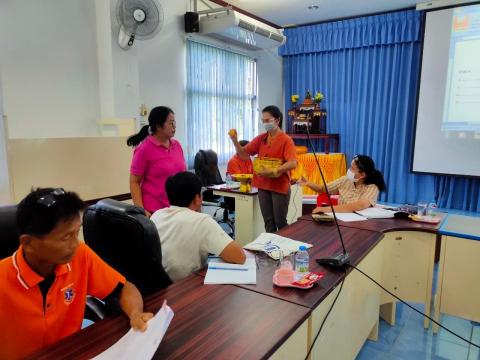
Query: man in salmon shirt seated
[46, 281]
[237, 165]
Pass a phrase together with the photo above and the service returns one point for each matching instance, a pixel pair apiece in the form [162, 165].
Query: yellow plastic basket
[268, 163]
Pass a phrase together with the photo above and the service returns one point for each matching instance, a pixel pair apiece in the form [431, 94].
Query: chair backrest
[206, 167]
[8, 230]
[128, 241]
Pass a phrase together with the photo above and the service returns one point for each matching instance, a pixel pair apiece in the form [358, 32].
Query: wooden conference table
[262, 321]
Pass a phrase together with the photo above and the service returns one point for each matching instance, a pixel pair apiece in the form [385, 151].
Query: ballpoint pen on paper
[224, 268]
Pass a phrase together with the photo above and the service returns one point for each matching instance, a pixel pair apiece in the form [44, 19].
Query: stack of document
[275, 245]
[220, 272]
[347, 217]
[365, 214]
[376, 213]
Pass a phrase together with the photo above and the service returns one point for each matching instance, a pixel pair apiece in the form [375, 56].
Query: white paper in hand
[141, 345]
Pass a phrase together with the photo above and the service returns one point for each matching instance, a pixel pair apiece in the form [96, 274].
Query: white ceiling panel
[295, 12]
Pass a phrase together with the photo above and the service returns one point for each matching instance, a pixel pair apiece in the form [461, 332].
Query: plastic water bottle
[228, 181]
[301, 260]
[432, 209]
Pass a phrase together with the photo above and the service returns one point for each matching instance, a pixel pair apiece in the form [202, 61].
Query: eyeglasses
[50, 199]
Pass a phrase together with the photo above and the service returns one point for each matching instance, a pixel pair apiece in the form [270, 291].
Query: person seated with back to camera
[187, 236]
[45, 283]
[358, 190]
[237, 165]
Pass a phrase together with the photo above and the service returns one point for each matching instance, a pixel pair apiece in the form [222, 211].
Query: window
[221, 95]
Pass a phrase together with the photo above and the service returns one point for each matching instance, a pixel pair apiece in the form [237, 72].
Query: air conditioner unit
[238, 29]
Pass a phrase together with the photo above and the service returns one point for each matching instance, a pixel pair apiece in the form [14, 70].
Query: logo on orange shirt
[68, 294]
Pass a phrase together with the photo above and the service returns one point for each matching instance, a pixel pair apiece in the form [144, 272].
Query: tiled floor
[408, 340]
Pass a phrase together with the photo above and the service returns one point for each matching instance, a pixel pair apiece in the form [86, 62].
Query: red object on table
[322, 199]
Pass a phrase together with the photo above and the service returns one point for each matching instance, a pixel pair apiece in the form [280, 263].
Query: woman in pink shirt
[156, 157]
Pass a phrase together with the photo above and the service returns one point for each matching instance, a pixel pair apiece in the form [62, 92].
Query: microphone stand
[342, 260]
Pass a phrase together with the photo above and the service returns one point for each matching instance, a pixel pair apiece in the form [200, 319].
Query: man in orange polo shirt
[237, 165]
[46, 281]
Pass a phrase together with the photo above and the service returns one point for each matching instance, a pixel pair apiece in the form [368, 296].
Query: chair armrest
[95, 309]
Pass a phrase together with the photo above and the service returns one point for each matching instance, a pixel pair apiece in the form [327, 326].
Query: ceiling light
[313, 7]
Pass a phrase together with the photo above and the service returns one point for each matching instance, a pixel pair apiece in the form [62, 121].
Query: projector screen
[447, 136]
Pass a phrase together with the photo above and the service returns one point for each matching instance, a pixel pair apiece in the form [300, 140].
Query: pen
[224, 268]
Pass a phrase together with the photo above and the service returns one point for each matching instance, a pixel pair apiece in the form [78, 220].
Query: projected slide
[462, 98]
[447, 132]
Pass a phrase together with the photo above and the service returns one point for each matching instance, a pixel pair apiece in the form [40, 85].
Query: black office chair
[8, 229]
[9, 242]
[206, 168]
[128, 241]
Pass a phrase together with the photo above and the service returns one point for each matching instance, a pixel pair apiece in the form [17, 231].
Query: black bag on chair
[128, 241]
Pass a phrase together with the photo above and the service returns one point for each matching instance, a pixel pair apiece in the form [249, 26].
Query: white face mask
[351, 175]
[269, 126]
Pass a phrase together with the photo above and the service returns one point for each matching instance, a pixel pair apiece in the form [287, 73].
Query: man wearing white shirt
[188, 236]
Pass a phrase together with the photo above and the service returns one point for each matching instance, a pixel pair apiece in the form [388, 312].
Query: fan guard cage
[153, 17]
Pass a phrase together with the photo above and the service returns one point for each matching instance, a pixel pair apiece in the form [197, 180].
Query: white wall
[4, 179]
[63, 70]
[162, 65]
[270, 79]
[49, 67]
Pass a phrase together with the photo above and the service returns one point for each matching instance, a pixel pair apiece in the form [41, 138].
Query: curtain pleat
[221, 95]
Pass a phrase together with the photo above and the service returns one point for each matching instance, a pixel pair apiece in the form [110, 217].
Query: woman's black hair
[372, 176]
[275, 112]
[157, 118]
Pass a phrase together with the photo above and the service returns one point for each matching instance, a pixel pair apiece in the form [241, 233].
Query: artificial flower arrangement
[318, 97]
[294, 98]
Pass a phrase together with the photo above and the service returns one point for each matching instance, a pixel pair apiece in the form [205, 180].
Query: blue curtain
[221, 95]
[368, 69]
